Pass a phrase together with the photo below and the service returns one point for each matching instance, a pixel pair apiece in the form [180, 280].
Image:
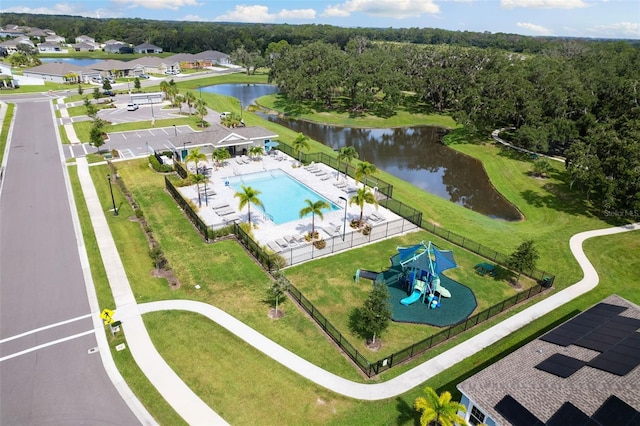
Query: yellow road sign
[107, 316]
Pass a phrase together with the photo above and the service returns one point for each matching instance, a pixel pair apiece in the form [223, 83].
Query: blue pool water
[282, 196]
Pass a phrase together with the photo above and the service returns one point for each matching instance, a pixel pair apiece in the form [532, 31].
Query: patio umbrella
[271, 145]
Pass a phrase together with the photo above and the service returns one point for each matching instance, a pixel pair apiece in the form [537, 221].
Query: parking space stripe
[46, 327]
[45, 345]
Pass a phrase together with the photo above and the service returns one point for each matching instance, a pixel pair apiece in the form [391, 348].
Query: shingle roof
[56, 68]
[543, 393]
[220, 136]
[111, 64]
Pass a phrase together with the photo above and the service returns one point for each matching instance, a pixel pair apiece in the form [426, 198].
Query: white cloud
[537, 29]
[617, 30]
[259, 13]
[56, 9]
[543, 4]
[397, 9]
[159, 4]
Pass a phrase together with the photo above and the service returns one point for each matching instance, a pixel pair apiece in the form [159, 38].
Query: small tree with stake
[524, 258]
[375, 313]
[277, 292]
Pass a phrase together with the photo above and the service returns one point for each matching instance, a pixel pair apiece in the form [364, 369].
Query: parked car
[132, 107]
[225, 114]
[143, 76]
[109, 93]
[172, 72]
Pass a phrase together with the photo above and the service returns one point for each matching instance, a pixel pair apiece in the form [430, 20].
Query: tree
[196, 156]
[347, 154]
[364, 169]
[92, 111]
[96, 93]
[363, 196]
[106, 85]
[96, 134]
[80, 89]
[315, 208]
[524, 258]
[439, 410]
[231, 120]
[136, 84]
[220, 154]
[541, 168]
[201, 108]
[164, 88]
[190, 99]
[198, 179]
[256, 151]
[375, 313]
[248, 196]
[299, 143]
[277, 290]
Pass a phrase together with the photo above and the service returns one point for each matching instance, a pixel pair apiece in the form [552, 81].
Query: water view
[81, 62]
[413, 154]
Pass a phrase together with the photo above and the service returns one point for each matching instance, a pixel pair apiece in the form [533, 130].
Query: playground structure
[421, 265]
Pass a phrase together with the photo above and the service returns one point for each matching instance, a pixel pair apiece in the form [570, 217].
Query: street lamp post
[184, 149]
[344, 223]
[115, 211]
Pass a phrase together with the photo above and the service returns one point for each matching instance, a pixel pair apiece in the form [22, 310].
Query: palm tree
[220, 154]
[190, 99]
[363, 170]
[201, 108]
[299, 143]
[196, 156]
[198, 179]
[315, 209]
[364, 195]
[164, 88]
[439, 410]
[347, 154]
[256, 151]
[248, 196]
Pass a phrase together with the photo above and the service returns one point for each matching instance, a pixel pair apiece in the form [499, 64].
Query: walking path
[496, 136]
[195, 411]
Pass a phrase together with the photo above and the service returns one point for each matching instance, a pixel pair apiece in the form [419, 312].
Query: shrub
[161, 168]
[139, 213]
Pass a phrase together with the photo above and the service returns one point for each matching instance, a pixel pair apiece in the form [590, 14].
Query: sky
[570, 18]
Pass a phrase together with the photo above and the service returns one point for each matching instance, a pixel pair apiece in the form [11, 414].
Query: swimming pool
[282, 196]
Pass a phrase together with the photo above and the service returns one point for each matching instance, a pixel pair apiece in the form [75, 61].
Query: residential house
[112, 68]
[11, 31]
[86, 39]
[147, 48]
[586, 371]
[152, 65]
[50, 47]
[114, 46]
[12, 45]
[84, 47]
[58, 72]
[37, 32]
[53, 38]
[211, 58]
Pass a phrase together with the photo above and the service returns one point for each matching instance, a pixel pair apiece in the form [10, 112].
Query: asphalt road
[47, 373]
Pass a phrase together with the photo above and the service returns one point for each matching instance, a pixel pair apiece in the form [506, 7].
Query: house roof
[181, 57]
[84, 45]
[111, 64]
[149, 61]
[56, 68]
[597, 352]
[147, 46]
[113, 42]
[85, 38]
[210, 54]
[220, 136]
[49, 44]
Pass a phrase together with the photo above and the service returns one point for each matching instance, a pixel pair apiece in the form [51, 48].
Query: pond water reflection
[413, 154]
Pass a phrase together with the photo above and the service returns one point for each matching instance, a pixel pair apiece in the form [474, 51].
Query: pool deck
[222, 206]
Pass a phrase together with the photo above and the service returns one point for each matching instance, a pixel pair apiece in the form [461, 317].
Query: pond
[413, 154]
[81, 62]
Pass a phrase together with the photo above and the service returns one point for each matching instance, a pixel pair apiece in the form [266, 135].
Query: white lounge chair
[282, 243]
[274, 247]
[225, 211]
[219, 205]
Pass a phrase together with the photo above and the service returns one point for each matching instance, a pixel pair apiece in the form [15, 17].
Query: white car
[132, 107]
[172, 72]
[225, 115]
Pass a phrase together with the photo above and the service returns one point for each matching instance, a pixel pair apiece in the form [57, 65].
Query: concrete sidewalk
[186, 403]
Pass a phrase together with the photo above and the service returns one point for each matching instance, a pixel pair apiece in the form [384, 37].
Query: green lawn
[223, 370]
[4, 132]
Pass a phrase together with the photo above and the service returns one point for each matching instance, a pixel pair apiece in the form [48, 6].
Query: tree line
[580, 101]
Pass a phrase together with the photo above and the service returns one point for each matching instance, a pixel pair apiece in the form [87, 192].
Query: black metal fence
[191, 214]
[180, 170]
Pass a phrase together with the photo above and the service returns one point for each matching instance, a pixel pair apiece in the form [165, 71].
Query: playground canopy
[417, 257]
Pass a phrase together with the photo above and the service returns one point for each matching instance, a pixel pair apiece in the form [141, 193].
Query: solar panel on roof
[516, 413]
[568, 415]
[615, 412]
[561, 365]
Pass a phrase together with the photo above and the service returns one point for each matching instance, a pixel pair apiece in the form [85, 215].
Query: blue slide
[418, 291]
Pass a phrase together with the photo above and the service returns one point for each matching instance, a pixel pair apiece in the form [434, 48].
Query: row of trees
[193, 37]
[581, 102]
